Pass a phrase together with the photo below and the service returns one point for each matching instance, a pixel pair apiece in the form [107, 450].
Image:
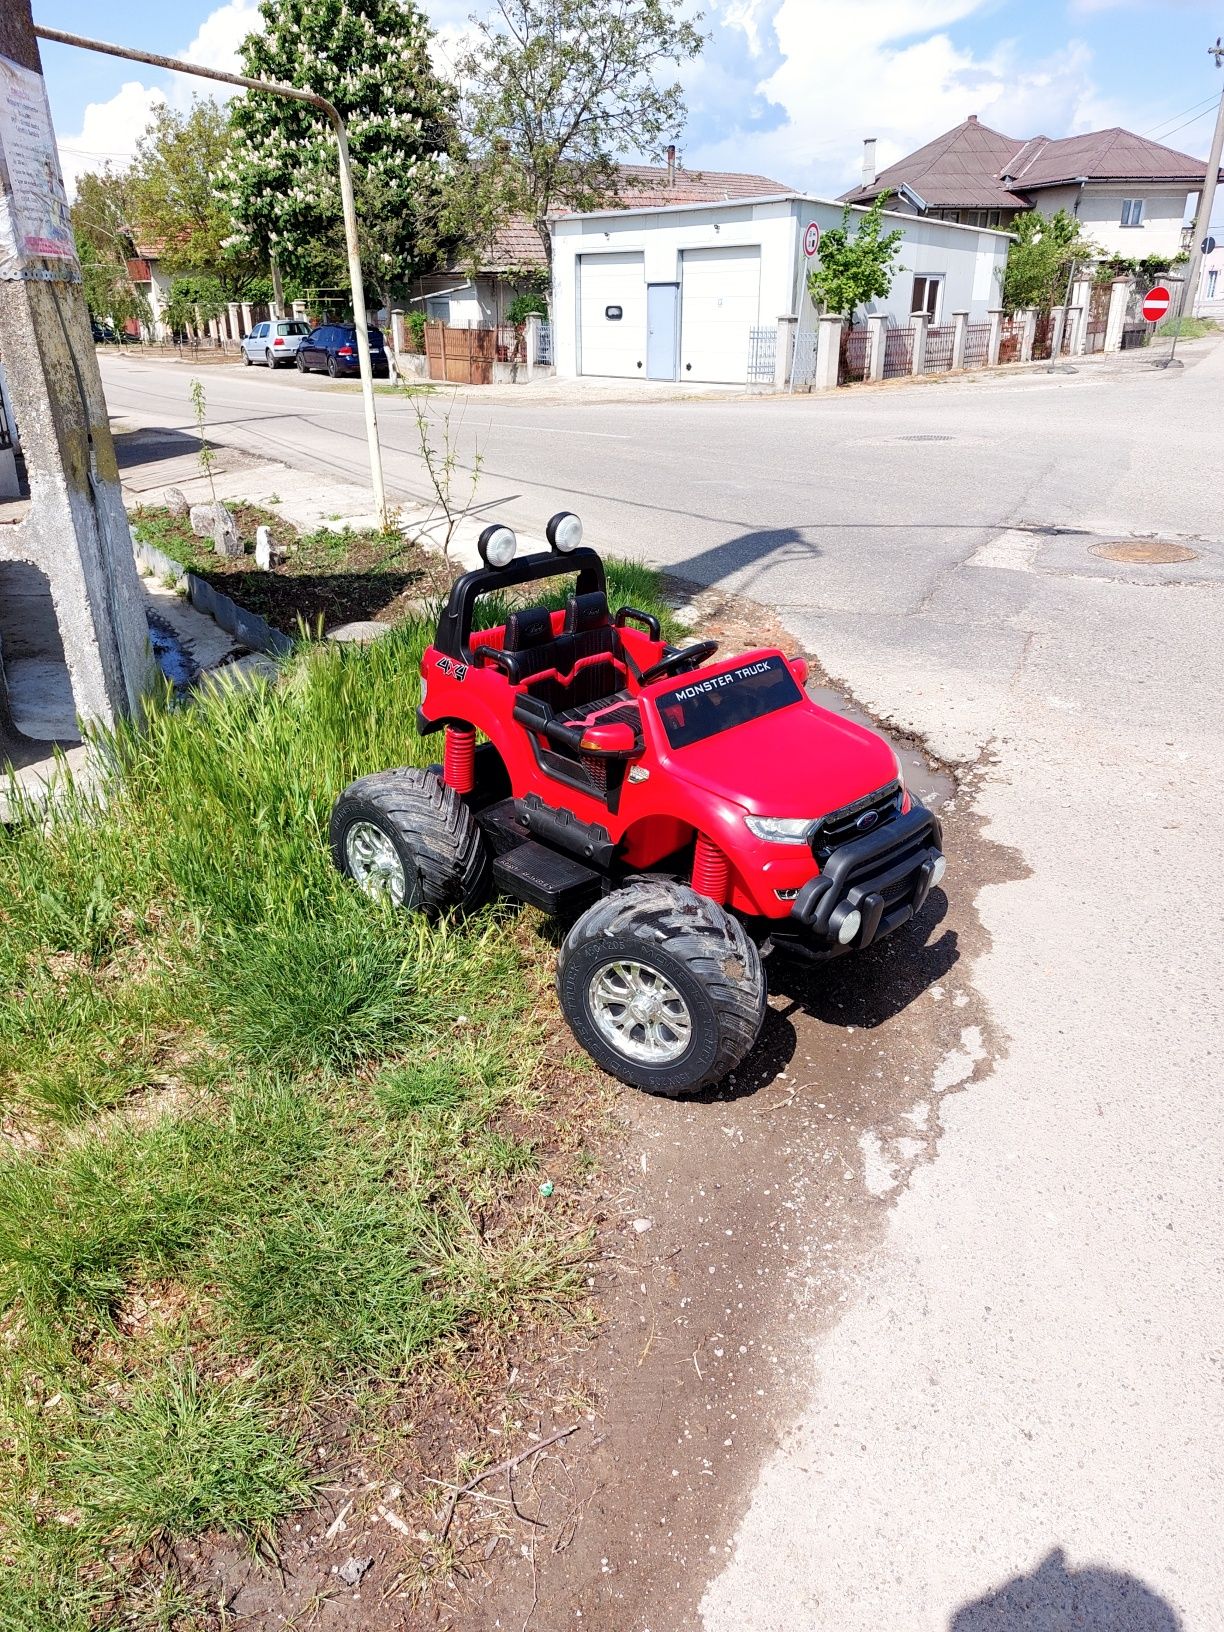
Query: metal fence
[898, 352]
[938, 355]
[762, 355]
[511, 344]
[803, 364]
[855, 352]
[544, 343]
[977, 345]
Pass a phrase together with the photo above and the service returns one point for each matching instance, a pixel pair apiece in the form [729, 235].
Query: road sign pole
[295, 93]
[1202, 219]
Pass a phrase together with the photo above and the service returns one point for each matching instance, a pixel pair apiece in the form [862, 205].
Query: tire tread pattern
[712, 945]
[432, 822]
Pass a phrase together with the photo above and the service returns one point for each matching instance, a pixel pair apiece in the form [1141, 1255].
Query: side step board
[557, 883]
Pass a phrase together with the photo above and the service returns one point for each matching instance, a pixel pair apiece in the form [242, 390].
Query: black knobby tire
[705, 955]
[442, 850]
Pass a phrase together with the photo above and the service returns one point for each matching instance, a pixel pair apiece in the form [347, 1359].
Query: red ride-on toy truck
[681, 815]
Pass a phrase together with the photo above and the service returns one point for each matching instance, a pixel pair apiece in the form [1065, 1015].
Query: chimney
[869, 169]
[972, 119]
[671, 164]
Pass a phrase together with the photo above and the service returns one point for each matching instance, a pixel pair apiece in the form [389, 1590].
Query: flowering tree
[371, 59]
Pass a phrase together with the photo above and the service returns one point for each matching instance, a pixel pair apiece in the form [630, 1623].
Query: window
[1132, 212]
[437, 307]
[706, 706]
[296, 327]
[925, 301]
[1212, 279]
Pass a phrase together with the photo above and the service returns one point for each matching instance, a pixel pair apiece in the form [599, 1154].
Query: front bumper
[885, 875]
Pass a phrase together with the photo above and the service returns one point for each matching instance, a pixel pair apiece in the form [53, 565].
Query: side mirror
[610, 741]
[798, 667]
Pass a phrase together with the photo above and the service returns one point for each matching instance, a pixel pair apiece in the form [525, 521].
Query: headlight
[781, 829]
[564, 531]
[897, 766]
[497, 545]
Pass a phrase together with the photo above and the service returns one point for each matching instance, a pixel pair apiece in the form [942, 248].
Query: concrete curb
[248, 628]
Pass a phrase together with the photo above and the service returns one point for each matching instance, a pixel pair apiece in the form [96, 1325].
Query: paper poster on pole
[35, 227]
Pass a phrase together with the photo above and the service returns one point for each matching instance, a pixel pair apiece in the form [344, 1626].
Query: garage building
[684, 292]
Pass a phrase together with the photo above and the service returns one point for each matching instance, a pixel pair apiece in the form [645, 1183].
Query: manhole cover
[1143, 552]
[925, 439]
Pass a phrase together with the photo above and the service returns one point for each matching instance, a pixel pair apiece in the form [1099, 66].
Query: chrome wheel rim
[374, 863]
[639, 1012]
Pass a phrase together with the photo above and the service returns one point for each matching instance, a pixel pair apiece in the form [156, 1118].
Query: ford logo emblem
[867, 821]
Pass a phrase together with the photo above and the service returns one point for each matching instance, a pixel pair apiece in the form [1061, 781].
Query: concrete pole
[920, 322]
[828, 352]
[784, 351]
[1206, 206]
[960, 336]
[1115, 322]
[995, 339]
[1058, 328]
[877, 339]
[247, 325]
[75, 532]
[1076, 330]
[1028, 334]
[348, 207]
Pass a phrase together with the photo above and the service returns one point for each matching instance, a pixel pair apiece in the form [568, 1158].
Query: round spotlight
[564, 531]
[938, 868]
[497, 545]
[849, 926]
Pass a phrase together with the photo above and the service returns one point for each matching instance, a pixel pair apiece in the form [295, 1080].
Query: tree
[173, 183]
[1041, 261]
[101, 222]
[854, 269]
[371, 59]
[555, 92]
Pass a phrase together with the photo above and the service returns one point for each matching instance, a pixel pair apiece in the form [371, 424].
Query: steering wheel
[688, 657]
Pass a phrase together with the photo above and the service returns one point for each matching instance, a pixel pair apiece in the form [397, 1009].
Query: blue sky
[786, 88]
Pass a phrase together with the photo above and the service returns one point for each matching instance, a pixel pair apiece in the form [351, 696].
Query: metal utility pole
[276, 88]
[1202, 219]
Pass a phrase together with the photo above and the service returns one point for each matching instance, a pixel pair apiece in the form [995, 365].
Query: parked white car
[274, 343]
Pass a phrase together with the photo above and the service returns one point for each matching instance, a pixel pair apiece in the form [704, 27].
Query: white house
[1132, 194]
[683, 292]
[1209, 298]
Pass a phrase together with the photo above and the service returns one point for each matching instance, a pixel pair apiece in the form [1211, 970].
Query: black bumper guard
[885, 875]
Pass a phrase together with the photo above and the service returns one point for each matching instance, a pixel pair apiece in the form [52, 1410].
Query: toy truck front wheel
[662, 987]
[405, 837]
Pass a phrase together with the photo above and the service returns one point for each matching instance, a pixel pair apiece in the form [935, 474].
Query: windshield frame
[710, 683]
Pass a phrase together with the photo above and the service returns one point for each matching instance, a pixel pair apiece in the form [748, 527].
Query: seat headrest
[583, 612]
[532, 626]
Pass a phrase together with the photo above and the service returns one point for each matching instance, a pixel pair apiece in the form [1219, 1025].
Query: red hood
[801, 761]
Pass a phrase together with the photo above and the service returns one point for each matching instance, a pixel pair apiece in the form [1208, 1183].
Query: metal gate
[855, 356]
[1098, 317]
[762, 355]
[898, 352]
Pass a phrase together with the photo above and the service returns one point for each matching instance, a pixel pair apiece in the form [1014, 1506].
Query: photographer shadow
[1056, 1598]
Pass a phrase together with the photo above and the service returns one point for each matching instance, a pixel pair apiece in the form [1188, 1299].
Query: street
[1021, 1396]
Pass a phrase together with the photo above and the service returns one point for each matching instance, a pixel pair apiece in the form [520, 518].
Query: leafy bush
[414, 328]
[524, 306]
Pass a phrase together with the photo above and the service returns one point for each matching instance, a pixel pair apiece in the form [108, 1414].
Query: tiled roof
[975, 167]
[517, 243]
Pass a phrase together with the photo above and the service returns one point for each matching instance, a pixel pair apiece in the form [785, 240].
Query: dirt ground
[731, 1228]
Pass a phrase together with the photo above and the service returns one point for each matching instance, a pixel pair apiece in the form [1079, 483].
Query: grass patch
[268, 1149]
[1187, 328]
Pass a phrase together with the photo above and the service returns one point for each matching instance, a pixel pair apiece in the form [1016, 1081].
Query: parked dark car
[332, 349]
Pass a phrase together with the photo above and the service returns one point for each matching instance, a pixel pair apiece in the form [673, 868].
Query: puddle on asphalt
[931, 786]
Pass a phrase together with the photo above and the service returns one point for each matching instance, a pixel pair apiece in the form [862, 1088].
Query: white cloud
[882, 68]
[110, 130]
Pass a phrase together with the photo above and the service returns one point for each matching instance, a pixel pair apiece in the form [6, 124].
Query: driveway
[1015, 1419]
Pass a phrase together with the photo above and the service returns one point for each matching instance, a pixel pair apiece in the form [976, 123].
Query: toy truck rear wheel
[662, 987]
[404, 836]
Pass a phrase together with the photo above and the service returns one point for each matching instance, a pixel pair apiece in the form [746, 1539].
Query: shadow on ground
[1054, 1598]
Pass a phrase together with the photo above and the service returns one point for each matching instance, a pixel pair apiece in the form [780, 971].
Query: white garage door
[720, 295]
[612, 315]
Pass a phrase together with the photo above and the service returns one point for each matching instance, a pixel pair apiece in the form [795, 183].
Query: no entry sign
[811, 239]
[1156, 303]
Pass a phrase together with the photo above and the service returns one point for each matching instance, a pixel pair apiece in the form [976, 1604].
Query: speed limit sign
[811, 239]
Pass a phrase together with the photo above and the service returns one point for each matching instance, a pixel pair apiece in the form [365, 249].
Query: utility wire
[1208, 102]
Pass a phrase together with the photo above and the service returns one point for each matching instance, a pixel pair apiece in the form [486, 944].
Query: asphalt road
[1017, 1422]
